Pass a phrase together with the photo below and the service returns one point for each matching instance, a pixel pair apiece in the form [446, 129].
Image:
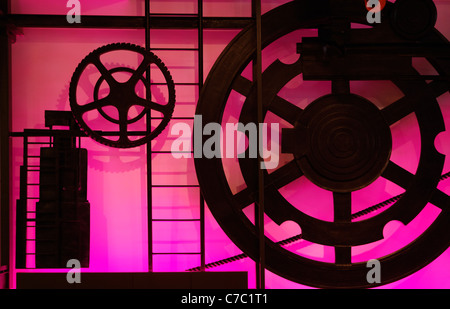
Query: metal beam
[126, 22]
[200, 86]
[149, 146]
[4, 146]
[259, 206]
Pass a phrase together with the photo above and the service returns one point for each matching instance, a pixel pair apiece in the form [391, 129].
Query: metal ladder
[150, 151]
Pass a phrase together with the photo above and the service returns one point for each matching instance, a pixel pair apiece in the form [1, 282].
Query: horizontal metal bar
[176, 84]
[174, 14]
[125, 22]
[175, 186]
[174, 49]
[170, 152]
[49, 133]
[174, 118]
[403, 49]
[176, 253]
[176, 220]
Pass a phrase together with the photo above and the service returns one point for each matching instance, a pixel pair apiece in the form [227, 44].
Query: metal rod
[176, 253]
[200, 86]
[149, 147]
[175, 49]
[5, 149]
[125, 22]
[175, 186]
[176, 220]
[259, 207]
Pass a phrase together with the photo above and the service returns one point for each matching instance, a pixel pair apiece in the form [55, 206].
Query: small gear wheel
[122, 96]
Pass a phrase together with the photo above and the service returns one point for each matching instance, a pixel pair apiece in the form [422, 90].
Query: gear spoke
[98, 104]
[123, 126]
[343, 255]
[151, 105]
[398, 110]
[342, 214]
[285, 109]
[439, 87]
[440, 199]
[398, 175]
[137, 75]
[278, 179]
[106, 74]
[242, 85]
[342, 207]
[410, 102]
[285, 175]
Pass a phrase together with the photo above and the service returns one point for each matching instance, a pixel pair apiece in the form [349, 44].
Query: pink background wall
[43, 61]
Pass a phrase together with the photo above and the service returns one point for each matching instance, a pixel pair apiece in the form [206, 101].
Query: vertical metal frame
[259, 207]
[149, 17]
[149, 148]
[5, 54]
[200, 68]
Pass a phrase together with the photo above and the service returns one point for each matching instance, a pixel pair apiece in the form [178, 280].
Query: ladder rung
[176, 220]
[183, 118]
[176, 253]
[175, 186]
[176, 84]
[175, 49]
[173, 118]
[174, 14]
[169, 152]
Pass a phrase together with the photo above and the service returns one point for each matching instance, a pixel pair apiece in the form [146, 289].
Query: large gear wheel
[341, 142]
[122, 96]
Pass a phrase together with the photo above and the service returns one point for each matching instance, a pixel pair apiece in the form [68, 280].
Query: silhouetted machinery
[341, 142]
[63, 212]
[62, 222]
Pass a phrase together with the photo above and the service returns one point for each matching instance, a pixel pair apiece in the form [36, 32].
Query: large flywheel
[341, 142]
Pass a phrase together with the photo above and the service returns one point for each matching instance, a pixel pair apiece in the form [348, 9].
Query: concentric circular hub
[344, 143]
[413, 19]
